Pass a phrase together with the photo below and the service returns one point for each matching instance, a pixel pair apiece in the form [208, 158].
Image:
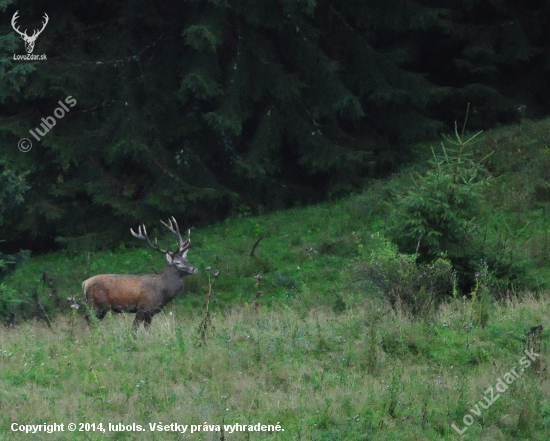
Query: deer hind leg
[148, 320]
[99, 314]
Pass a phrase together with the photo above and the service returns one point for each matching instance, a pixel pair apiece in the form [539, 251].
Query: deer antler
[142, 234]
[183, 245]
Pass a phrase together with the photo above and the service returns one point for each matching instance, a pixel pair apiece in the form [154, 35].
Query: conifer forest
[203, 109]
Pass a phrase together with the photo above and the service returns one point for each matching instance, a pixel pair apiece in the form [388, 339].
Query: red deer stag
[143, 294]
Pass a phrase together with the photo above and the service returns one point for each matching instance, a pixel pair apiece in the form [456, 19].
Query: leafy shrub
[438, 215]
[12, 188]
[399, 278]
[9, 301]
[8, 262]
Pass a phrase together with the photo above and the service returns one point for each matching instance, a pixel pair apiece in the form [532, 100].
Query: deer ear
[184, 255]
[169, 259]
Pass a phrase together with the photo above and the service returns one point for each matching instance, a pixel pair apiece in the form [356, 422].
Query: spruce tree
[196, 108]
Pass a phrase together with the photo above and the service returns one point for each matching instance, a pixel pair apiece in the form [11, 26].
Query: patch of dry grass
[366, 373]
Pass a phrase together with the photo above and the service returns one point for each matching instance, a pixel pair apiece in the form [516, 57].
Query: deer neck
[172, 279]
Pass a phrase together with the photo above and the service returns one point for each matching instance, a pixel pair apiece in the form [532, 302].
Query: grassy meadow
[364, 373]
[297, 336]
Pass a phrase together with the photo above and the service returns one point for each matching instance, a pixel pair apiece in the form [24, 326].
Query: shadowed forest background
[203, 109]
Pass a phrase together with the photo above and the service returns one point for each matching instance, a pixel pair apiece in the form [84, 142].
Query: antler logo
[29, 41]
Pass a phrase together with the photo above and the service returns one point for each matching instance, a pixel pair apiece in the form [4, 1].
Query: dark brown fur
[144, 294]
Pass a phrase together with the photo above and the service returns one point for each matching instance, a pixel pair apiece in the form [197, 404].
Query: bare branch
[255, 245]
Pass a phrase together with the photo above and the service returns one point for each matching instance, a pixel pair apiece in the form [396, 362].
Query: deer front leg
[140, 316]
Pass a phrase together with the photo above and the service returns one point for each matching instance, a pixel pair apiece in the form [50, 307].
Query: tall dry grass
[366, 373]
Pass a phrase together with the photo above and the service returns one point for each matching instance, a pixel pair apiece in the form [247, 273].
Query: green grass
[307, 250]
[313, 346]
[366, 373]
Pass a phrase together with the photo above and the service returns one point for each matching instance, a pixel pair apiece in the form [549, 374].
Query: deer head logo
[29, 40]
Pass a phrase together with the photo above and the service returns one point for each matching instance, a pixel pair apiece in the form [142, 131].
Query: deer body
[144, 294]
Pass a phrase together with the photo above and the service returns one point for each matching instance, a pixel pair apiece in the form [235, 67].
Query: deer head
[29, 40]
[177, 258]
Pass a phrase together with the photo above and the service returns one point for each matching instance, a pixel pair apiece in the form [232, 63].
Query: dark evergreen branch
[102, 105]
[135, 57]
[349, 27]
